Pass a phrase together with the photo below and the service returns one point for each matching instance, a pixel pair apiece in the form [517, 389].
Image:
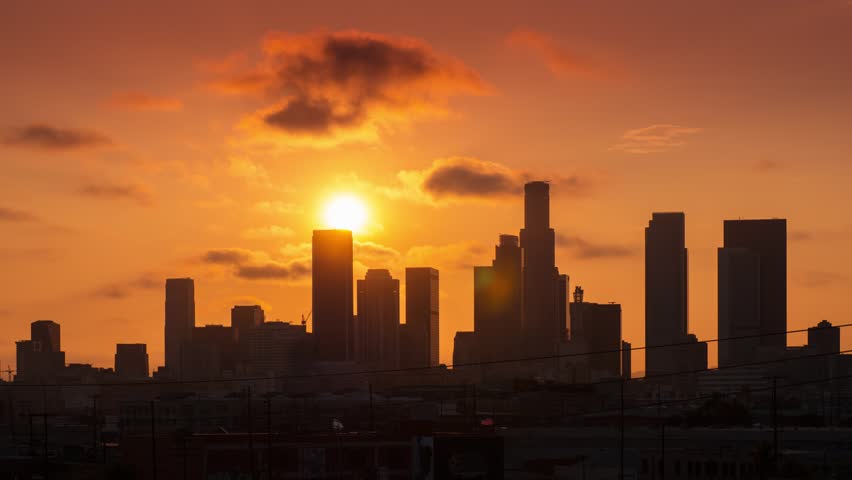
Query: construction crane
[306, 318]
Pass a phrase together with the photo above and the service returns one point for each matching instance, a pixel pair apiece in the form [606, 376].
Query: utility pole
[370, 391]
[153, 444]
[621, 430]
[250, 434]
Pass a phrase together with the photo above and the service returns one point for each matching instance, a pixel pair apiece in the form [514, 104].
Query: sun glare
[346, 212]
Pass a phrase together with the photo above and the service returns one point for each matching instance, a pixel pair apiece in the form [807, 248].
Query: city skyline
[147, 161]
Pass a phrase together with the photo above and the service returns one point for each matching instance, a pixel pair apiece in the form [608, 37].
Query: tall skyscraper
[666, 290]
[542, 325]
[498, 302]
[596, 327]
[766, 241]
[279, 348]
[332, 295]
[377, 325]
[244, 319]
[739, 305]
[40, 357]
[48, 334]
[131, 360]
[180, 320]
[421, 317]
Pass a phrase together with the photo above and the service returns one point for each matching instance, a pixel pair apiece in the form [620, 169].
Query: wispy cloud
[8, 214]
[141, 101]
[46, 137]
[111, 191]
[584, 249]
[655, 138]
[558, 58]
[126, 288]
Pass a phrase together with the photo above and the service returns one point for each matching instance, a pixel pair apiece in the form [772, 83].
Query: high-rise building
[739, 306]
[180, 320]
[542, 326]
[766, 240]
[377, 326]
[244, 319]
[595, 328]
[465, 350]
[421, 317]
[824, 339]
[48, 333]
[211, 352]
[332, 295]
[666, 300]
[498, 302]
[626, 360]
[278, 348]
[131, 360]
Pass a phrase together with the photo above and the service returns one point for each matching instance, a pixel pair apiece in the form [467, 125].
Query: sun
[345, 212]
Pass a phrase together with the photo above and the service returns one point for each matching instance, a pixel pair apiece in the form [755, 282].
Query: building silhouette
[278, 348]
[753, 285]
[666, 292]
[596, 327]
[40, 358]
[211, 353]
[498, 302]
[626, 359]
[824, 339]
[419, 337]
[244, 319]
[543, 319]
[180, 321]
[738, 305]
[377, 324]
[332, 295]
[131, 360]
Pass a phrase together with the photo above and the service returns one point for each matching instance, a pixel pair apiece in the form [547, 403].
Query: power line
[403, 370]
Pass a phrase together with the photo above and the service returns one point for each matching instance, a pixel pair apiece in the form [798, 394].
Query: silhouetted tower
[48, 334]
[542, 325]
[666, 290]
[377, 324]
[421, 317]
[244, 319]
[131, 360]
[738, 305]
[498, 302]
[596, 327]
[824, 339]
[180, 320]
[766, 240]
[332, 295]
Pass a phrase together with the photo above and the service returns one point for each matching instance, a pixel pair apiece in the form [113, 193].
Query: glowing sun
[345, 212]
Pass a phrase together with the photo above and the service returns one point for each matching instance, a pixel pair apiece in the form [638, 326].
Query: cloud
[46, 137]
[654, 139]
[558, 59]
[584, 249]
[144, 102]
[799, 235]
[269, 232]
[278, 208]
[8, 214]
[341, 86]
[457, 256]
[124, 289]
[459, 179]
[227, 256]
[294, 270]
[109, 191]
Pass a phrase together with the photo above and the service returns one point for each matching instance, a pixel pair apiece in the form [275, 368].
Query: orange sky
[143, 140]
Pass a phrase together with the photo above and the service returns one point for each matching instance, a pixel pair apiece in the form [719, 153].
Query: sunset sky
[146, 140]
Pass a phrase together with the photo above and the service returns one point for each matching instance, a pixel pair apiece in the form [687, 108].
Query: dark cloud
[13, 215]
[324, 82]
[124, 289]
[52, 138]
[275, 271]
[584, 249]
[227, 256]
[107, 191]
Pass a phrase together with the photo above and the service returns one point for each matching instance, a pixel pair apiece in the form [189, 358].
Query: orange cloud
[47, 137]
[145, 102]
[558, 59]
[654, 139]
[110, 191]
[348, 85]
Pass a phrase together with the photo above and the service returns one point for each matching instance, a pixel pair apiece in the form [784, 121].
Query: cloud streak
[110, 191]
[558, 59]
[654, 139]
[255, 265]
[13, 215]
[584, 249]
[144, 102]
[46, 137]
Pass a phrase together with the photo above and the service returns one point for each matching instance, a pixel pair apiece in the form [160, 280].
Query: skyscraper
[542, 325]
[766, 240]
[377, 326]
[180, 320]
[40, 357]
[421, 317]
[498, 302]
[666, 297]
[596, 327]
[332, 295]
[244, 319]
[131, 360]
[739, 305]
[48, 334]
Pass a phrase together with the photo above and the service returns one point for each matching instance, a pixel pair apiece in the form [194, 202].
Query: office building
[244, 319]
[595, 328]
[211, 353]
[47, 333]
[758, 248]
[332, 295]
[626, 360]
[40, 358]
[278, 348]
[738, 306]
[377, 325]
[422, 318]
[666, 298]
[131, 360]
[824, 339]
[180, 321]
[498, 302]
